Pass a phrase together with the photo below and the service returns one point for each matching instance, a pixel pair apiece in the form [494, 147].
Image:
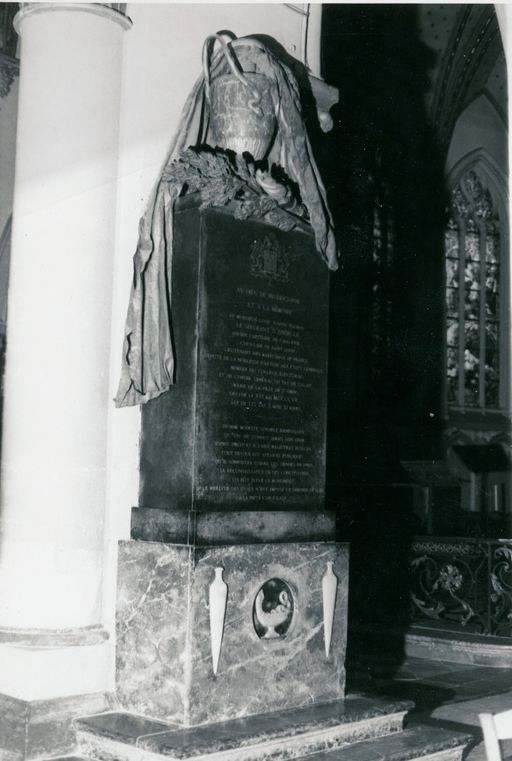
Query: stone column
[54, 440]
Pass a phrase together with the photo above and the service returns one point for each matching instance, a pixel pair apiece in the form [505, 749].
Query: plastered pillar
[54, 441]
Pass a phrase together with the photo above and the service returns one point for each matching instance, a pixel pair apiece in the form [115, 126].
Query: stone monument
[232, 477]
[232, 592]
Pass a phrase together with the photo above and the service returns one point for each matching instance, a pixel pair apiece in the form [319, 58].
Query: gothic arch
[496, 179]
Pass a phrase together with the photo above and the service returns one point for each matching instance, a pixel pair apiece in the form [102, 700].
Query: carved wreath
[222, 179]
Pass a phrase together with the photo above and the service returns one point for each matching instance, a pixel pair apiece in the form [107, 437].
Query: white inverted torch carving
[329, 587]
[217, 600]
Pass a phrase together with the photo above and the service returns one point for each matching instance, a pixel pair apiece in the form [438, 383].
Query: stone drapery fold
[148, 355]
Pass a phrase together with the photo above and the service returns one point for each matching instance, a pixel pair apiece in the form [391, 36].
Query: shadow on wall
[384, 173]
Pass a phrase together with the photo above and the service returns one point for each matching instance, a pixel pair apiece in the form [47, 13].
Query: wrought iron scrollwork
[462, 586]
[501, 591]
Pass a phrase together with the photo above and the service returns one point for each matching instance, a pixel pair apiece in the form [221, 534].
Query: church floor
[449, 695]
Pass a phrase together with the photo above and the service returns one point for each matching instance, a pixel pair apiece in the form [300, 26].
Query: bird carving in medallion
[275, 616]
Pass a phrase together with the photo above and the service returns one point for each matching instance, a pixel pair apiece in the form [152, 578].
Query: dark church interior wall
[385, 167]
[386, 157]
[386, 357]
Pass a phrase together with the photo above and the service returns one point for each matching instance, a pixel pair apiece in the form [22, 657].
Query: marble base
[31, 729]
[282, 734]
[355, 729]
[164, 663]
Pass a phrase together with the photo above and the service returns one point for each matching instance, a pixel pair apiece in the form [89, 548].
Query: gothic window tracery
[473, 275]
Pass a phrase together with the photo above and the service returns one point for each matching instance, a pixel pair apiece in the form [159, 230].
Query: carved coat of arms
[268, 260]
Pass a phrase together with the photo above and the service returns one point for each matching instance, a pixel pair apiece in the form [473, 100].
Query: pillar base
[43, 672]
[31, 729]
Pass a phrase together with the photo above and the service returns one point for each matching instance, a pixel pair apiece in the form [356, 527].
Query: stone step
[423, 742]
[280, 735]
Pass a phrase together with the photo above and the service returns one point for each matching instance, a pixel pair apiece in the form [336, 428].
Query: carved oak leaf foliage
[222, 180]
[206, 172]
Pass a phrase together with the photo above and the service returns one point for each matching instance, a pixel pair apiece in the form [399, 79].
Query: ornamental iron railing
[462, 585]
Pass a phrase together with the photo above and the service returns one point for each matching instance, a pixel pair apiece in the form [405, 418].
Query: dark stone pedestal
[243, 428]
[212, 528]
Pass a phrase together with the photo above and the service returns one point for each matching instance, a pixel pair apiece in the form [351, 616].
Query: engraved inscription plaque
[261, 371]
[244, 426]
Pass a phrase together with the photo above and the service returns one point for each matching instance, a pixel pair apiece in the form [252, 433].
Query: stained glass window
[472, 256]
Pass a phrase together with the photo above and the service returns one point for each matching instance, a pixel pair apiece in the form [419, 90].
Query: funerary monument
[233, 591]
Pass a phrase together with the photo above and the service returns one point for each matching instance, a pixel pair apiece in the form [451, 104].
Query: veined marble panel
[152, 625]
[164, 664]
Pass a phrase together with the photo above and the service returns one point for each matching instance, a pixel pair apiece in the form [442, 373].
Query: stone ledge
[218, 528]
[31, 729]
[458, 650]
[439, 645]
[283, 734]
[419, 742]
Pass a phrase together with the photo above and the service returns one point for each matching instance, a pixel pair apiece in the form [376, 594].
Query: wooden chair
[495, 727]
